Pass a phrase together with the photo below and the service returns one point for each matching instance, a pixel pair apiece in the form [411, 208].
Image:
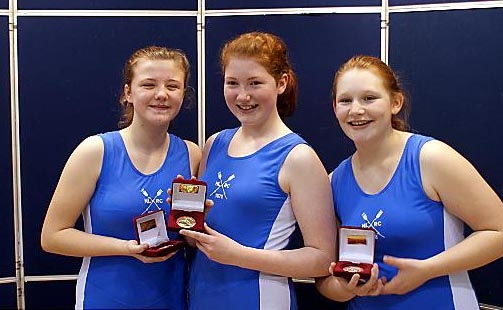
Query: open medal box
[356, 253]
[150, 228]
[187, 205]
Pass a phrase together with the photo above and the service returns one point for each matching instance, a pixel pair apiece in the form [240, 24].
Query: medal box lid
[188, 195]
[356, 244]
[151, 228]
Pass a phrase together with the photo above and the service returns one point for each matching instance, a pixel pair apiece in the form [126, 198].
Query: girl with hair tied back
[114, 177]
[263, 179]
[421, 191]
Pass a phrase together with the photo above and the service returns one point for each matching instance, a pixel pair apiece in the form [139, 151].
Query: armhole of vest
[215, 143]
[334, 196]
[417, 160]
[343, 168]
[298, 141]
[104, 160]
[290, 149]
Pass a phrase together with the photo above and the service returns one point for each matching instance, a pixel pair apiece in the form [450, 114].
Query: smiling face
[251, 92]
[363, 106]
[156, 91]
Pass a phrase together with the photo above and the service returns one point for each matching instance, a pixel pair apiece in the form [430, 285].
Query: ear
[282, 83]
[397, 103]
[127, 92]
[334, 104]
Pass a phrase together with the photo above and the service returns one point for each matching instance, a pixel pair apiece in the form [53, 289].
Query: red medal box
[150, 228]
[187, 205]
[356, 253]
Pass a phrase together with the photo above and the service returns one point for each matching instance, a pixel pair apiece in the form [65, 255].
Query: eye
[255, 83]
[148, 85]
[369, 98]
[344, 101]
[231, 83]
[173, 87]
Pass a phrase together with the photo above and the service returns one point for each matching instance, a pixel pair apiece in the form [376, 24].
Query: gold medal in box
[356, 253]
[187, 205]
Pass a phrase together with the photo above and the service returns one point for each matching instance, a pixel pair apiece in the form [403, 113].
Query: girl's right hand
[373, 286]
[134, 249]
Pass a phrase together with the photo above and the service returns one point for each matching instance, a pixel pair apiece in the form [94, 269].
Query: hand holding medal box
[356, 253]
[150, 228]
[187, 205]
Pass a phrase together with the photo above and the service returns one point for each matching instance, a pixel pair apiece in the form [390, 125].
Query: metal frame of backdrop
[13, 13]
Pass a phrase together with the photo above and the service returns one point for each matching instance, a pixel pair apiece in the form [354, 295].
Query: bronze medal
[352, 269]
[186, 221]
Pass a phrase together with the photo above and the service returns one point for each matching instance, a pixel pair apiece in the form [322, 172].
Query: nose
[243, 95]
[356, 108]
[161, 93]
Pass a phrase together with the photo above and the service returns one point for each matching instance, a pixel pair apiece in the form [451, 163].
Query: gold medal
[352, 269]
[186, 221]
[189, 188]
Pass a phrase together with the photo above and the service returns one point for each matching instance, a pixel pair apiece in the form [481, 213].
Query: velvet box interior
[356, 253]
[151, 229]
[187, 205]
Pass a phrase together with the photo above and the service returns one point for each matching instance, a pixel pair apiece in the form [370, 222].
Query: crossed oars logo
[371, 224]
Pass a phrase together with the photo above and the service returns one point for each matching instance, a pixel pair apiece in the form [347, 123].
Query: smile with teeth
[247, 107]
[358, 123]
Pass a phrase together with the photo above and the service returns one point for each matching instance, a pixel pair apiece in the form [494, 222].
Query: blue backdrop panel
[450, 62]
[4, 4]
[318, 44]
[258, 4]
[7, 258]
[412, 2]
[8, 296]
[50, 295]
[107, 4]
[70, 82]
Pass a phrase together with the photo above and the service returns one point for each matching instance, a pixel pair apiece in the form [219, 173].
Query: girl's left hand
[412, 273]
